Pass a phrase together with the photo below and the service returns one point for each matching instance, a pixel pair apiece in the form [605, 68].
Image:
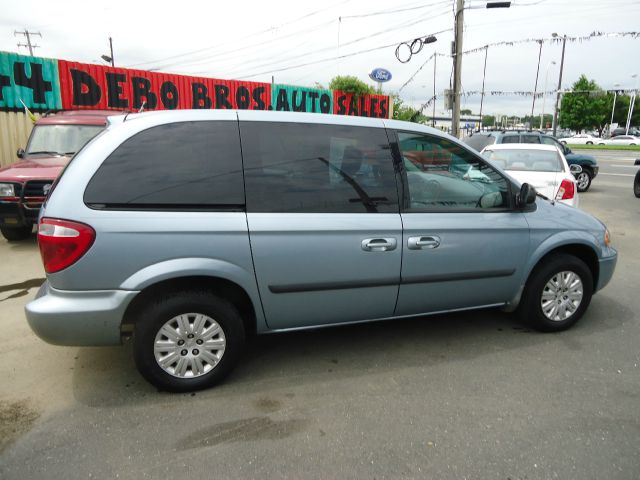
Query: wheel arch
[222, 287]
[582, 250]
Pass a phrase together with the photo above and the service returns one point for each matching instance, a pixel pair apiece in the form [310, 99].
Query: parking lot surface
[473, 395]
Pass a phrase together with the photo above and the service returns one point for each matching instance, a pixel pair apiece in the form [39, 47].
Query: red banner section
[97, 87]
[363, 106]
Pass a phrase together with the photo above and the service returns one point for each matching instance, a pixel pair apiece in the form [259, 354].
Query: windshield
[61, 139]
[525, 160]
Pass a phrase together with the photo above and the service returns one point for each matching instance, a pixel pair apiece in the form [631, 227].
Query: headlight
[6, 190]
[607, 237]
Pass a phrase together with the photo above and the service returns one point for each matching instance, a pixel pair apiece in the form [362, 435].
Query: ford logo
[380, 75]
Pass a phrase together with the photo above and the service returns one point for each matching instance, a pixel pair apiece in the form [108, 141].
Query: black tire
[584, 176]
[16, 234]
[530, 308]
[157, 313]
[589, 143]
[636, 185]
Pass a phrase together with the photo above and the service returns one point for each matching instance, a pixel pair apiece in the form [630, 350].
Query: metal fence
[15, 128]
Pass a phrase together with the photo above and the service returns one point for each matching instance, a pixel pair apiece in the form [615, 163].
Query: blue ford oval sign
[380, 75]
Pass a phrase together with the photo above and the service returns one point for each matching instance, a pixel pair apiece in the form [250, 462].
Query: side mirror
[575, 169]
[20, 153]
[567, 150]
[526, 196]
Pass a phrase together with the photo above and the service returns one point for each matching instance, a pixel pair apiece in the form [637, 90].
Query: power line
[387, 12]
[267, 30]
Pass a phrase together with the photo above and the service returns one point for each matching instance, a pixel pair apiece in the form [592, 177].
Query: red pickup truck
[24, 185]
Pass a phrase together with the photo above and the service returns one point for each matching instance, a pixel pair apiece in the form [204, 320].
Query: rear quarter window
[184, 164]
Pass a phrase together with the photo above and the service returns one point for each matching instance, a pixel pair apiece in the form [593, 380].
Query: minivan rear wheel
[187, 341]
[15, 234]
[557, 293]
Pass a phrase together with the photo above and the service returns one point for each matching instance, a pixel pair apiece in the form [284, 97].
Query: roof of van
[78, 117]
[167, 116]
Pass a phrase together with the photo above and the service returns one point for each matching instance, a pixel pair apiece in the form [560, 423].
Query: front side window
[442, 175]
[178, 165]
[61, 139]
[311, 168]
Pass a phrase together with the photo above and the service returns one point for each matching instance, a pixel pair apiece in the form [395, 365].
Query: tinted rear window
[478, 142]
[310, 168]
[511, 139]
[181, 164]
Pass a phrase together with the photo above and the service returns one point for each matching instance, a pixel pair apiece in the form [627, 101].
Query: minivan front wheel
[187, 341]
[557, 293]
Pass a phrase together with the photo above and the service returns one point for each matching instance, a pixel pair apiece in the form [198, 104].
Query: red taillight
[63, 242]
[566, 191]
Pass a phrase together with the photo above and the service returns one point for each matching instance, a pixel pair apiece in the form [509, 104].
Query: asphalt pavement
[461, 396]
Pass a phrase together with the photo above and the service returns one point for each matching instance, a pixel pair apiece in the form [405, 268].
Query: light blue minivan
[189, 230]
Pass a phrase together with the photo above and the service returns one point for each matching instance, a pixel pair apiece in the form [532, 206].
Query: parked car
[623, 131]
[621, 140]
[542, 166]
[636, 180]
[190, 229]
[587, 162]
[24, 184]
[581, 139]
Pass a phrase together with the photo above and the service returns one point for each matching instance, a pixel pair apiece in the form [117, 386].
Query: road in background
[473, 395]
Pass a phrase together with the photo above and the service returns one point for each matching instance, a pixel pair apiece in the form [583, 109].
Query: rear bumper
[79, 318]
[607, 266]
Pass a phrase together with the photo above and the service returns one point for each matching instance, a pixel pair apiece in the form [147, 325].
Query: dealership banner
[43, 84]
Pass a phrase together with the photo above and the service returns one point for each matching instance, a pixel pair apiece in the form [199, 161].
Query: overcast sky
[253, 40]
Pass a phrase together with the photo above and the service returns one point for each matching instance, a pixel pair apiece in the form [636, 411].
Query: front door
[324, 222]
[463, 244]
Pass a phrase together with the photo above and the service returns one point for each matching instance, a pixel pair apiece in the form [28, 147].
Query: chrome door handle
[379, 244]
[420, 243]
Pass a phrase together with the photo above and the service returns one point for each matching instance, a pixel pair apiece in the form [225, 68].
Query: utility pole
[26, 33]
[457, 69]
[535, 87]
[433, 116]
[555, 111]
[484, 74]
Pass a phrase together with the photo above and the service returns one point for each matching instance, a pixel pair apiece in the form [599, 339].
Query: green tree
[586, 108]
[401, 111]
[350, 84]
[466, 111]
[488, 120]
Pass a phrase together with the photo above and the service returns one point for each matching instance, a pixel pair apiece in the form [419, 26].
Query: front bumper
[78, 318]
[607, 266]
[15, 214]
[595, 169]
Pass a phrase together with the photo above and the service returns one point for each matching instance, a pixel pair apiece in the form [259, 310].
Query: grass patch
[635, 148]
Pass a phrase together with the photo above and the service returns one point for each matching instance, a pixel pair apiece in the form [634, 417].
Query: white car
[581, 139]
[542, 166]
[621, 140]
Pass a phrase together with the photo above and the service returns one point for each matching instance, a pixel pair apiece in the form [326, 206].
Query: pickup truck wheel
[583, 181]
[16, 234]
[187, 341]
[557, 293]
